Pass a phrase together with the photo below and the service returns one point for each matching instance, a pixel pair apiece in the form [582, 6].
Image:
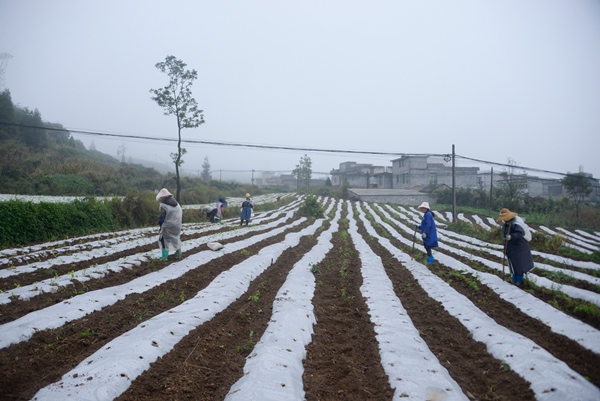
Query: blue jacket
[247, 207]
[427, 227]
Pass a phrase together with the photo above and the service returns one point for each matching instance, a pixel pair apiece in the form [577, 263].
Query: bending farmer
[516, 245]
[169, 219]
[428, 230]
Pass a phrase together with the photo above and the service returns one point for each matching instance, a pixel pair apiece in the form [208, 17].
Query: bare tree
[513, 185]
[579, 187]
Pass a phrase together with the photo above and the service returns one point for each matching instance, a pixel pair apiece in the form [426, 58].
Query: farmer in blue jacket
[247, 207]
[428, 230]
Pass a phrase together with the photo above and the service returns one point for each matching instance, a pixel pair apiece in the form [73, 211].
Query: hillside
[38, 158]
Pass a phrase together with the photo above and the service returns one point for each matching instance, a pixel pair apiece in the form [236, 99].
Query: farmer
[220, 204]
[211, 213]
[247, 207]
[516, 245]
[428, 230]
[169, 219]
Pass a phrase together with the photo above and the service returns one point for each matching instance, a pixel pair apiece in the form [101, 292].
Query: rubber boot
[165, 253]
[178, 254]
[430, 260]
[519, 280]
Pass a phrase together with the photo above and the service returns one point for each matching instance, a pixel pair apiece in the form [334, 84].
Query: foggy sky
[499, 80]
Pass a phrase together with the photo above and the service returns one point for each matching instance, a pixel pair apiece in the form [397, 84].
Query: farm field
[292, 308]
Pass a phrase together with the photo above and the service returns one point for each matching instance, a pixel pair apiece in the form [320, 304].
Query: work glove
[507, 237]
[424, 235]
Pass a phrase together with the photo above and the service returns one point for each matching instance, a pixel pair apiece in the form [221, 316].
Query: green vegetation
[311, 208]
[248, 346]
[548, 212]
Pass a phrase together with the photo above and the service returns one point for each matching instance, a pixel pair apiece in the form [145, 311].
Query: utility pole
[491, 188]
[453, 185]
[220, 171]
[252, 177]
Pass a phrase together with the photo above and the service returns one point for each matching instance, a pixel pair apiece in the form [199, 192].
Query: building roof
[391, 191]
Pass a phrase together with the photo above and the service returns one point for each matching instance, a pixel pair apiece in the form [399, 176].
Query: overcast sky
[498, 79]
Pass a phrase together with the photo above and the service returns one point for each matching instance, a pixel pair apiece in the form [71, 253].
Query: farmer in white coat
[169, 219]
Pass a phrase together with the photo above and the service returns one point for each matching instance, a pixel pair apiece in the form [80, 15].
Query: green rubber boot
[178, 254]
[165, 253]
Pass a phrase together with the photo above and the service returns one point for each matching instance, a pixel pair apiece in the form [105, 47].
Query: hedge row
[23, 223]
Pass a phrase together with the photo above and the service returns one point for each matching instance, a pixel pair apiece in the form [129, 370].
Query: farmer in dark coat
[211, 213]
[516, 238]
[428, 230]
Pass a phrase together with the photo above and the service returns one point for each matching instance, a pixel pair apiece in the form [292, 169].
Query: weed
[248, 346]
[89, 332]
[346, 296]
[140, 315]
[504, 366]
[246, 253]
[255, 297]
[314, 269]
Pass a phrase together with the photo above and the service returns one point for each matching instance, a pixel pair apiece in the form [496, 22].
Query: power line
[511, 166]
[276, 147]
[218, 143]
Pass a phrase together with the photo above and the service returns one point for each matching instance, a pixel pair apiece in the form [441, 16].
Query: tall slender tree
[176, 99]
[303, 172]
[206, 175]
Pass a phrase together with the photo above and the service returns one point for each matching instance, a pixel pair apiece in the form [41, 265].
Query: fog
[499, 80]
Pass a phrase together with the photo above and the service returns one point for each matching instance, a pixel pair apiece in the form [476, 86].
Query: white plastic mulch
[109, 372]
[557, 321]
[550, 378]
[56, 315]
[274, 369]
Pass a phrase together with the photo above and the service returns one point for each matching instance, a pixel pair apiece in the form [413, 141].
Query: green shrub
[310, 208]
